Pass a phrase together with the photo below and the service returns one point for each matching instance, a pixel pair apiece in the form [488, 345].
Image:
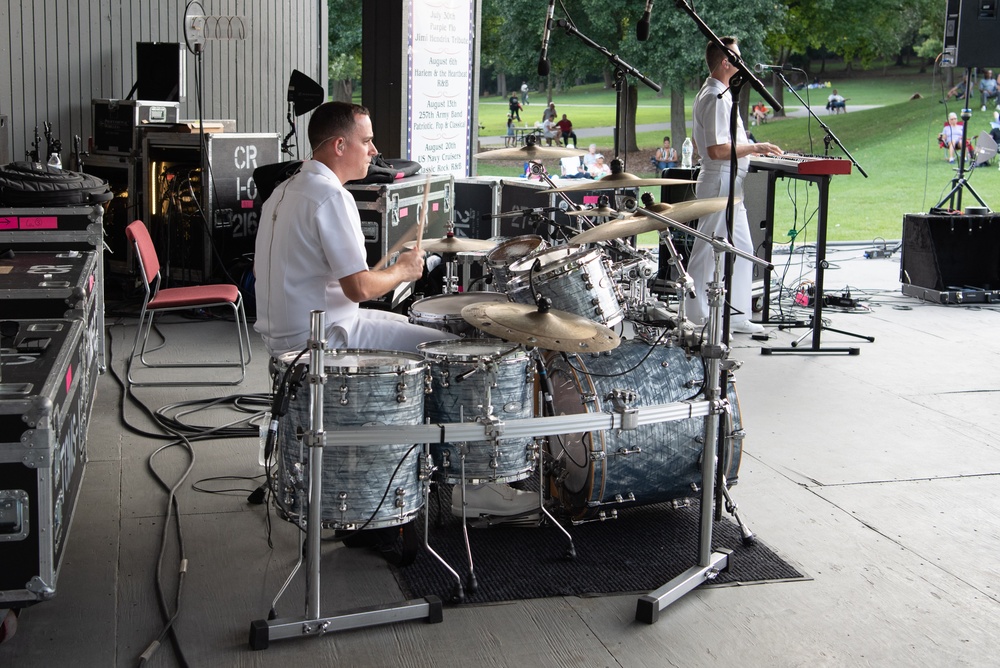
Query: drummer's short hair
[714, 55]
[333, 119]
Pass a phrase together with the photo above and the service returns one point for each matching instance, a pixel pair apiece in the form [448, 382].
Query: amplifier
[116, 122]
[44, 415]
[943, 252]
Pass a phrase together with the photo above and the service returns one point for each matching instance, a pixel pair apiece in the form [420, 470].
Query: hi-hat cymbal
[684, 212]
[530, 152]
[605, 211]
[619, 229]
[549, 330]
[618, 180]
[452, 245]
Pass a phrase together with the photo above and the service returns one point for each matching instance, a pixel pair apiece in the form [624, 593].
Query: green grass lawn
[896, 144]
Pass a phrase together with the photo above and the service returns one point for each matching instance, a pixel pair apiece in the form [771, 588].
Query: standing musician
[712, 108]
[310, 251]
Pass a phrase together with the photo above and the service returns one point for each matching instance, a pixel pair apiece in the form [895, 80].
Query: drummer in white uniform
[711, 112]
[310, 254]
[310, 250]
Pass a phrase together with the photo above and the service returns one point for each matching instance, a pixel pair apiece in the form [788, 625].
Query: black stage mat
[638, 552]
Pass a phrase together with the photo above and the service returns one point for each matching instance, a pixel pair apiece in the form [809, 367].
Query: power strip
[873, 253]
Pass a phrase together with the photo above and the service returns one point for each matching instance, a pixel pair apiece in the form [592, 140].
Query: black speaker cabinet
[947, 251]
[682, 241]
[970, 33]
[160, 72]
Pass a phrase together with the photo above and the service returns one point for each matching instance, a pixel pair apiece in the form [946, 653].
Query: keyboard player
[712, 108]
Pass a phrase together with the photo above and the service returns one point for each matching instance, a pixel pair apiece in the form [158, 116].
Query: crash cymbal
[684, 212]
[549, 330]
[530, 152]
[619, 229]
[619, 180]
[452, 245]
[605, 211]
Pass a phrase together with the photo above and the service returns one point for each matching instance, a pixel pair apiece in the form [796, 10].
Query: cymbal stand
[312, 624]
[714, 350]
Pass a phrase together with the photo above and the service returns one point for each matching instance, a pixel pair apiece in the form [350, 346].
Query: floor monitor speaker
[948, 251]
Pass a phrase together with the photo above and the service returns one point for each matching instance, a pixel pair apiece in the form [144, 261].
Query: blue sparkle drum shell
[510, 381]
[655, 463]
[373, 486]
[577, 280]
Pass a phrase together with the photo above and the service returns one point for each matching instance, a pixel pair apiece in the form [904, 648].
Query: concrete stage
[874, 474]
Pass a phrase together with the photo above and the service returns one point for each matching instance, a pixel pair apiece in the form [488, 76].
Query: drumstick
[423, 212]
[407, 236]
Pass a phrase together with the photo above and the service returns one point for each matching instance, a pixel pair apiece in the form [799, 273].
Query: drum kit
[539, 383]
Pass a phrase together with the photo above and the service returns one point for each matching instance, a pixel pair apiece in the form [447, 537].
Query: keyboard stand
[815, 323]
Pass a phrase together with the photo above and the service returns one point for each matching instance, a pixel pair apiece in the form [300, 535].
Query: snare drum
[503, 256]
[505, 384]
[651, 464]
[444, 312]
[363, 388]
[576, 280]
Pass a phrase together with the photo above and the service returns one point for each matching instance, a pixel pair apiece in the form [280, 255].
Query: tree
[344, 36]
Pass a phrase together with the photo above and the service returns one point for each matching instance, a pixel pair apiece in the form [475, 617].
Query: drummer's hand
[766, 148]
[410, 264]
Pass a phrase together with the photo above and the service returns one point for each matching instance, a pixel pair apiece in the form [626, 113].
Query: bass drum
[370, 486]
[651, 464]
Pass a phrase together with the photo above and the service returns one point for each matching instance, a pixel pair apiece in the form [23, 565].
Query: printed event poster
[439, 109]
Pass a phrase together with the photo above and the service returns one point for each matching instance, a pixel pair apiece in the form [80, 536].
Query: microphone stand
[954, 196]
[621, 89]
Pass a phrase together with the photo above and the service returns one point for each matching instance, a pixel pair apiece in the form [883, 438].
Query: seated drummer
[317, 260]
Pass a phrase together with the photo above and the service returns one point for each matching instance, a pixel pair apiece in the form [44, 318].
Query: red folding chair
[158, 300]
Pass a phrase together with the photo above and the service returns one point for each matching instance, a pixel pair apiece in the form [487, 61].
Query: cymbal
[551, 330]
[604, 211]
[529, 152]
[619, 229]
[452, 245]
[684, 212]
[618, 180]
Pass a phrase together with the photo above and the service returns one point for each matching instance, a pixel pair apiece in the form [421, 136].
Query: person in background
[958, 90]
[591, 156]
[759, 114]
[566, 130]
[665, 156]
[951, 136]
[550, 131]
[599, 169]
[550, 113]
[515, 107]
[836, 102]
[988, 90]
[524, 92]
[714, 142]
[509, 139]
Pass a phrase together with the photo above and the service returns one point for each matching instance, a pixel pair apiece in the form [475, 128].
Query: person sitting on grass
[599, 169]
[988, 90]
[759, 115]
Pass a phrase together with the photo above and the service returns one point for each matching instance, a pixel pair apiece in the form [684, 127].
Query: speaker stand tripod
[959, 182]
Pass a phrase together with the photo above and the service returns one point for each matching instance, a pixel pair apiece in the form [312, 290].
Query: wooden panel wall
[57, 55]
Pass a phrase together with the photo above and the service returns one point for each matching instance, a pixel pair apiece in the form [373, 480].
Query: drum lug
[428, 382]
[343, 395]
[342, 507]
[598, 455]
[624, 452]
[622, 400]
[400, 502]
[401, 392]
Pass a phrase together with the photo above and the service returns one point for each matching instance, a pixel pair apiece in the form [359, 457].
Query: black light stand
[954, 196]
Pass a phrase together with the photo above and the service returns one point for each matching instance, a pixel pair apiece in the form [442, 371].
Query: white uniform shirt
[308, 239]
[711, 128]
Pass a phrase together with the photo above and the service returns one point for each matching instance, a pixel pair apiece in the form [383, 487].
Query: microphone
[543, 58]
[642, 27]
[761, 67]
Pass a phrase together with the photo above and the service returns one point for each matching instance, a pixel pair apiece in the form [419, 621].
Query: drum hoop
[457, 356]
[589, 488]
[414, 363]
[570, 262]
[502, 258]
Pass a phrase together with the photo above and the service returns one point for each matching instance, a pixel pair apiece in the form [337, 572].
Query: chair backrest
[570, 165]
[137, 233]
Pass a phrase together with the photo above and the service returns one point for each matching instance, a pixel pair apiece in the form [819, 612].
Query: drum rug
[640, 551]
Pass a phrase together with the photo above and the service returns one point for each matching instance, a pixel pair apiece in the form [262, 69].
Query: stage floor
[873, 474]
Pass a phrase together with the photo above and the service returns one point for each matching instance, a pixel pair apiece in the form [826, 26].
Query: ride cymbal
[684, 212]
[529, 152]
[549, 330]
[452, 245]
[619, 229]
